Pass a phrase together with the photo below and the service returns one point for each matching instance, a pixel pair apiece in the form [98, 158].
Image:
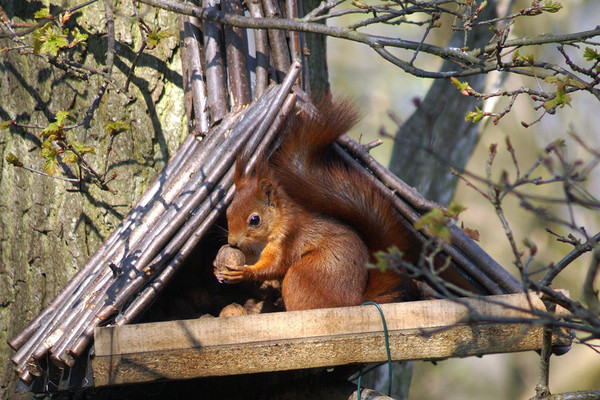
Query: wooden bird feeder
[420, 330]
[91, 319]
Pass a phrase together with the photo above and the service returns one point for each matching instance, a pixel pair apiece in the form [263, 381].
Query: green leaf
[48, 142]
[435, 223]
[590, 54]
[37, 34]
[560, 99]
[464, 87]
[7, 124]
[475, 116]
[563, 82]
[83, 149]
[552, 6]
[13, 160]
[47, 40]
[454, 210]
[72, 157]
[61, 117]
[43, 13]
[51, 163]
[156, 36]
[116, 127]
[48, 151]
[522, 59]
[383, 259]
[78, 37]
[69, 157]
[54, 130]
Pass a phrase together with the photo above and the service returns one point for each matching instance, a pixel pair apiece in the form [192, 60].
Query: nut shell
[227, 255]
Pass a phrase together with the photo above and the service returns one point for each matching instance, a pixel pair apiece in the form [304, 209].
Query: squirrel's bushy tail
[314, 176]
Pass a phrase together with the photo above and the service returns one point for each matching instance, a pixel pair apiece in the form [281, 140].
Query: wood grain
[424, 330]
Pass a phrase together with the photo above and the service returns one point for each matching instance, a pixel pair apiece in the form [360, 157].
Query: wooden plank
[424, 330]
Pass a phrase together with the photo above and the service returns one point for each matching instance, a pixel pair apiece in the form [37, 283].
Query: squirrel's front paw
[231, 274]
[228, 259]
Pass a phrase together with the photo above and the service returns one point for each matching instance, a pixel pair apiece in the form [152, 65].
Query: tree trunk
[48, 227]
[436, 137]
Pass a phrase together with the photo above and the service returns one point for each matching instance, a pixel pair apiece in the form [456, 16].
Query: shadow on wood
[423, 330]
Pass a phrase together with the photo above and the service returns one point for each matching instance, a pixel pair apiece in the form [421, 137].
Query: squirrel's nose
[232, 242]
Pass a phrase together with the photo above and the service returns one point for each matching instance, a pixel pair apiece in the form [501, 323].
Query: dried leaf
[472, 233]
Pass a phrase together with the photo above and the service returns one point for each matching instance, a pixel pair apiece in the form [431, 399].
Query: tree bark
[48, 227]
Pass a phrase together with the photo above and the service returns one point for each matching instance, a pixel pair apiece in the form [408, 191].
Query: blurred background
[380, 88]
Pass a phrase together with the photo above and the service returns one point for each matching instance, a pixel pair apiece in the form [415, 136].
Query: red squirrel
[306, 218]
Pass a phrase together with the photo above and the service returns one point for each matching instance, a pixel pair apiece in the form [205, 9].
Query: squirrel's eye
[254, 220]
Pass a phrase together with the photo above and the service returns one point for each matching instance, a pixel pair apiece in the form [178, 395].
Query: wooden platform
[423, 330]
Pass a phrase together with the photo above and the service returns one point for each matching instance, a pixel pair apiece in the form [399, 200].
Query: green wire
[387, 348]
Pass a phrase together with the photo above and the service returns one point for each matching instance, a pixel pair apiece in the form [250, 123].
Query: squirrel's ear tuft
[240, 178]
[267, 186]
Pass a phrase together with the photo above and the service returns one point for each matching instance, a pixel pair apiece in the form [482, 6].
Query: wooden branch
[237, 50]
[215, 66]
[195, 56]
[298, 48]
[261, 43]
[425, 330]
[185, 72]
[271, 115]
[291, 12]
[275, 128]
[280, 52]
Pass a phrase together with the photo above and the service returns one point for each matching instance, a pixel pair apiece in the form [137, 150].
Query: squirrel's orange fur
[308, 219]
